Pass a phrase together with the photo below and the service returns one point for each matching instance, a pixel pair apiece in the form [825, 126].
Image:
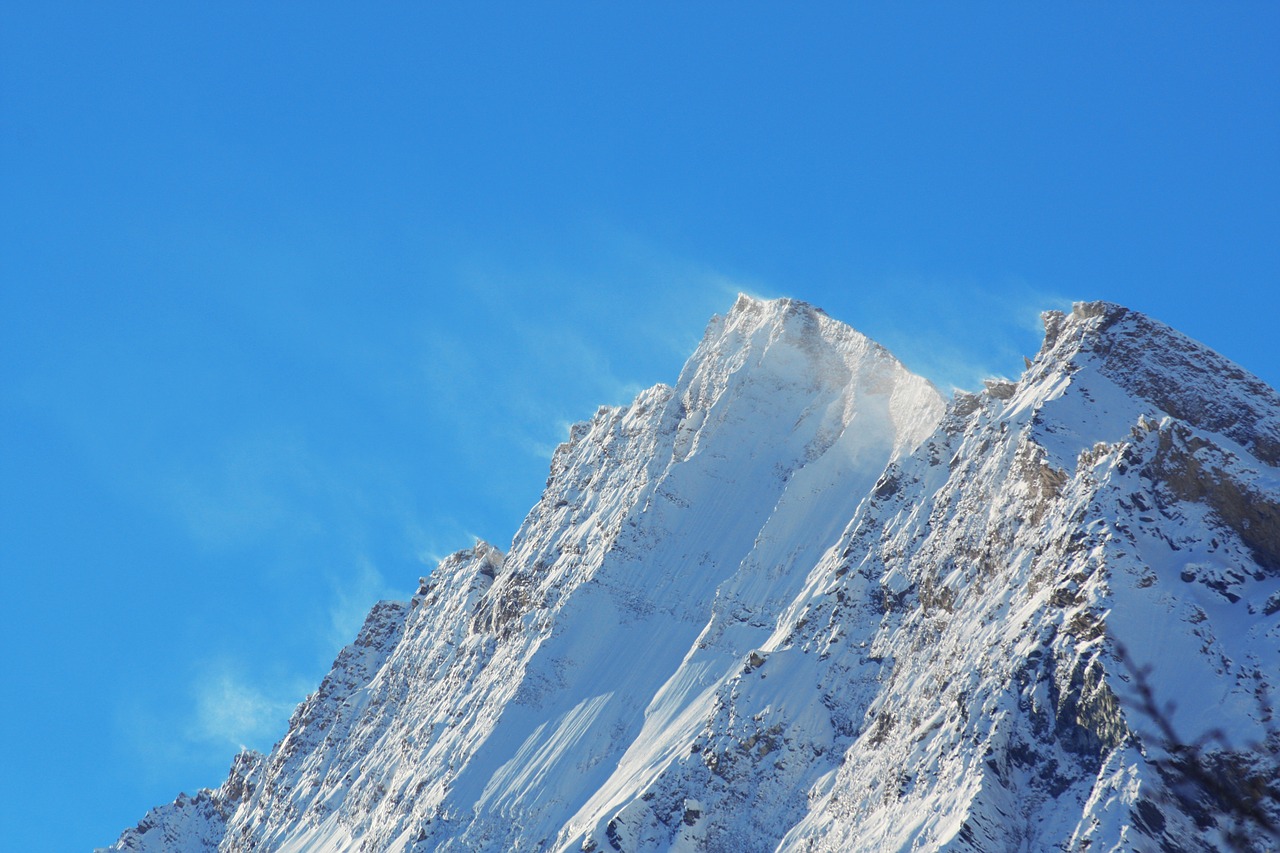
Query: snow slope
[797, 602]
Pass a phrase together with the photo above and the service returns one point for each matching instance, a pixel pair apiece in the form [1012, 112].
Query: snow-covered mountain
[798, 601]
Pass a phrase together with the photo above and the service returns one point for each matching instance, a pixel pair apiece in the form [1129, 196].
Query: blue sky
[293, 304]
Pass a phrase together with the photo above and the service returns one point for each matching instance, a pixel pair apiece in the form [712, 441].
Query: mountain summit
[798, 601]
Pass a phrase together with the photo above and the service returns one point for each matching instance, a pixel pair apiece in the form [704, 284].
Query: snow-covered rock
[798, 602]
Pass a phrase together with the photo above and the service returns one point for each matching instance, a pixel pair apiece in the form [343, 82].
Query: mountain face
[798, 601]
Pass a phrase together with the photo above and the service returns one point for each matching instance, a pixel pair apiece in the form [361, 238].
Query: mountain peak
[1093, 317]
[784, 317]
[779, 306]
[1175, 374]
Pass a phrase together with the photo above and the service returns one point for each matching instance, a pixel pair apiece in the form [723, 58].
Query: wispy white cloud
[957, 332]
[353, 594]
[555, 344]
[729, 288]
[233, 710]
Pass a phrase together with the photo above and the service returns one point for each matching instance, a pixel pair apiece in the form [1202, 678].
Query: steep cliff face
[796, 602]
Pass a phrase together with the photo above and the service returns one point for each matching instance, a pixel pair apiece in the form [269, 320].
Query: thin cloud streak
[354, 594]
[944, 330]
[232, 710]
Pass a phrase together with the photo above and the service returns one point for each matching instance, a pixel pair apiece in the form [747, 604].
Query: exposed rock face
[795, 602]
[195, 823]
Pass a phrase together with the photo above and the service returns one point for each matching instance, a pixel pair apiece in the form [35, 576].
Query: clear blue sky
[296, 300]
